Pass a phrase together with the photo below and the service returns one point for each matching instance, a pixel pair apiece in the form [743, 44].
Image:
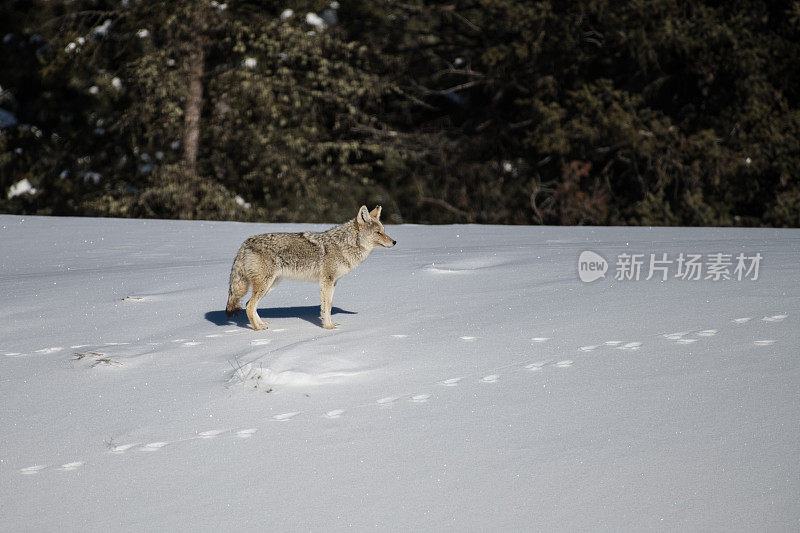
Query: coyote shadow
[309, 313]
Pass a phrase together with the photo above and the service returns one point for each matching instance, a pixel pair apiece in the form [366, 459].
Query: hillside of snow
[475, 383]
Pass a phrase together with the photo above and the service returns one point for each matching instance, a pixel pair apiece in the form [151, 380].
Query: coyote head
[370, 229]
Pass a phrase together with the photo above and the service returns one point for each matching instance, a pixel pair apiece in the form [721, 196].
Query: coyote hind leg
[260, 288]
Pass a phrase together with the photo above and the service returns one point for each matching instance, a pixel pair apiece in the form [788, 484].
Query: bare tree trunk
[192, 112]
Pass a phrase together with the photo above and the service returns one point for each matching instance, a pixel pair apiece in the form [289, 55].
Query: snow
[21, 187]
[102, 30]
[312, 19]
[475, 383]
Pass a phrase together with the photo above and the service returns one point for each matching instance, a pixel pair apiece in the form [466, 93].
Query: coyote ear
[363, 215]
[376, 213]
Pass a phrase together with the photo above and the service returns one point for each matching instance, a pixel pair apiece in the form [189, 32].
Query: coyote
[263, 260]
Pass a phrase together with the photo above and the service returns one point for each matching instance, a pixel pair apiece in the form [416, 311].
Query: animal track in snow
[681, 337]
[122, 448]
[536, 367]
[631, 346]
[47, 351]
[30, 470]
[285, 416]
[388, 400]
[707, 333]
[153, 446]
[260, 342]
[614, 344]
[210, 434]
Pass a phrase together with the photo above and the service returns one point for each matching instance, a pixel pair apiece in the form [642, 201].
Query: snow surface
[474, 384]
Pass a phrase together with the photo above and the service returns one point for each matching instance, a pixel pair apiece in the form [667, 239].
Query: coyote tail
[238, 287]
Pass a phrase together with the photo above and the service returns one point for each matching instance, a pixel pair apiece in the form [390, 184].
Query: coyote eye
[378, 232]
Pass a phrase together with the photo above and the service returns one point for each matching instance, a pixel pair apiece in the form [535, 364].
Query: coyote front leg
[326, 286]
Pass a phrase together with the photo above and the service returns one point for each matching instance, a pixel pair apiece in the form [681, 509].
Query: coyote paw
[262, 325]
[330, 326]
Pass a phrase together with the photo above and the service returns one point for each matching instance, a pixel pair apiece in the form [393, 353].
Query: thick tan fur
[324, 257]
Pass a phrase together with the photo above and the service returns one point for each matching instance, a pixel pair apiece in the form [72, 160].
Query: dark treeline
[657, 112]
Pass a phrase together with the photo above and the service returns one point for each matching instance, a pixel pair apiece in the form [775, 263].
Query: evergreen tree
[493, 111]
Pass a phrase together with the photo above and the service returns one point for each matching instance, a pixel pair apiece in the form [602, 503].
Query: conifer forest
[573, 112]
